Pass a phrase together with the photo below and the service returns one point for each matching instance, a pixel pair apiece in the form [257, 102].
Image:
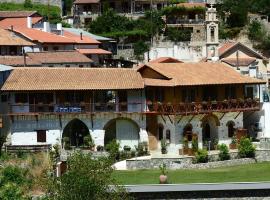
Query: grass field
[243, 173]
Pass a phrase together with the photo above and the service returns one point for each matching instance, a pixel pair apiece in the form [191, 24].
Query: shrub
[66, 142]
[13, 174]
[88, 142]
[142, 149]
[163, 146]
[245, 148]
[195, 143]
[127, 148]
[28, 4]
[100, 148]
[201, 156]
[163, 169]
[11, 191]
[224, 152]
[113, 149]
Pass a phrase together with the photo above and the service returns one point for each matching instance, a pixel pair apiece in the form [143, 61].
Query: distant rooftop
[85, 33]
[11, 14]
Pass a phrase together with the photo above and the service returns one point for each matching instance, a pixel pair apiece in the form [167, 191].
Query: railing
[185, 21]
[74, 108]
[204, 107]
[181, 108]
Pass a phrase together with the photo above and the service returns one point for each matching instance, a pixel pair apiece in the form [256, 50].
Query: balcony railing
[185, 21]
[232, 105]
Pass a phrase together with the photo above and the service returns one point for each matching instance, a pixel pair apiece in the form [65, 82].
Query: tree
[256, 31]
[140, 48]
[237, 10]
[86, 178]
[28, 4]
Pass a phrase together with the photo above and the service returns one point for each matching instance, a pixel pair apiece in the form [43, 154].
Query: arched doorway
[187, 132]
[209, 126]
[76, 130]
[124, 130]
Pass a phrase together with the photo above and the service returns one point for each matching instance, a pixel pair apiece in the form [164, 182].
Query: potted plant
[185, 149]
[163, 146]
[215, 143]
[233, 144]
[88, 142]
[66, 142]
[163, 178]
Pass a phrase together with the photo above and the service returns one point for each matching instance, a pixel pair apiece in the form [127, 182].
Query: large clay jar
[163, 179]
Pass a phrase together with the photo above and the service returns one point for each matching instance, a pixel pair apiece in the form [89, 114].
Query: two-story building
[156, 101]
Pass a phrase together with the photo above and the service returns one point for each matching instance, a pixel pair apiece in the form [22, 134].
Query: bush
[142, 149]
[13, 174]
[88, 142]
[223, 152]
[28, 4]
[195, 143]
[66, 142]
[127, 148]
[201, 156]
[11, 191]
[113, 149]
[245, 148]
[100, 148]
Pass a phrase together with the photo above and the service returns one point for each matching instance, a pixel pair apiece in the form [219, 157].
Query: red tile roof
[165, 60]
[84, 40]
[192, 5]
[240, 61]
[58, 57]
[8, 38]
[43, 37]
[94, 51]
[10, 14]
[225, 47]
[18, 61]
[45, 78]
[203, 73]
[18, 22]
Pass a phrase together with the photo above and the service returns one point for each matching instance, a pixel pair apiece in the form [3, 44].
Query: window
[45, 48]
[4, 98]
[21, 98]
[80, 66]
[67, 65]
[188, 95]
[210, 93]
[41, 135]
[249, 92]
[160, 132]
[230, 92]
[55, 48]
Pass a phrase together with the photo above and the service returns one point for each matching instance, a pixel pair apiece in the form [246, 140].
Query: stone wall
[45, 2]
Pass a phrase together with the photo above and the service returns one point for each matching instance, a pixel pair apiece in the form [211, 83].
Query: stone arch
[209, 125]
[124, 130]
[187, 131]
[76, 130]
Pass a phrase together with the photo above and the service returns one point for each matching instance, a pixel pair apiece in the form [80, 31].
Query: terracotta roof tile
[9, 14]
[43, 37]
[38, 79]
[94, 51]
[187, 74]
[56, 57]
[18, 61]
[18, 22]
[84, 40]
[240, 61]
[7, 38]
[165, 60]
[225, 47]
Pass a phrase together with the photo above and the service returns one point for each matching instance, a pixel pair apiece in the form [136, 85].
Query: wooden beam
[170, 119]
[237, 115]
[180, 119]
[163, 118]
[191, 119]
[222, 116]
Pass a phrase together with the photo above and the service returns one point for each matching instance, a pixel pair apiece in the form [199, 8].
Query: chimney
[46, 27]
[59, 28]
[11, 28]
[81, 36]
[29, 22]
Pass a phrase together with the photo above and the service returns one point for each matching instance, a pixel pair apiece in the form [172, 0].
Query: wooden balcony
[232, 105]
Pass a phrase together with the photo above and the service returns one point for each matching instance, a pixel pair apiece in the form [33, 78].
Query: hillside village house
[156, 101]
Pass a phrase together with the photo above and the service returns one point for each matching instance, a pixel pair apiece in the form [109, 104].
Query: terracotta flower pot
[233, 146]
[163, 179]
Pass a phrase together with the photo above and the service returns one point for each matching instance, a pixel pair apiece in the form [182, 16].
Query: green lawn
[242, 173]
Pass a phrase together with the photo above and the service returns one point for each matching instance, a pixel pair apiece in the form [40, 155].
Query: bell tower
[212, 40]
